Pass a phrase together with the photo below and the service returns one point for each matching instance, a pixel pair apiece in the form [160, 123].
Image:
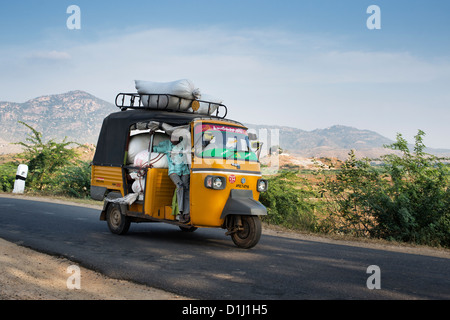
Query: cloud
[264, 76]
[373, 67]
[49, 55]
[252, 58]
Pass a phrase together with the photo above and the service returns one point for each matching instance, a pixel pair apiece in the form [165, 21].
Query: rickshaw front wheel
[118, 223]
[248, 235]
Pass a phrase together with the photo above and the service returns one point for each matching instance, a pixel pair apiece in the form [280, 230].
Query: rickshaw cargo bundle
[138, 185]
[156, 160]
[144, 159]
[184, 89]
[137, 144]
[141, 142]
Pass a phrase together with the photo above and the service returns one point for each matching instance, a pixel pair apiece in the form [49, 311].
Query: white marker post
[21, 176]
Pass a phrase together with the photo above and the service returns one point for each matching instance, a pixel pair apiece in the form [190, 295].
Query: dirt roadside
[26, 274]
[29, 275]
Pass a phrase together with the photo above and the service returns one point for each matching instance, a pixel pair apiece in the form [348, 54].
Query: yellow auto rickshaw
[225, 175]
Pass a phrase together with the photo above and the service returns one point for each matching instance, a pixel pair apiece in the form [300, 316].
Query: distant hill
[78, 116]
[335, 141]
[75, 114]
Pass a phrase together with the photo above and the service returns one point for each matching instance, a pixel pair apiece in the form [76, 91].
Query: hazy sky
[306, 64]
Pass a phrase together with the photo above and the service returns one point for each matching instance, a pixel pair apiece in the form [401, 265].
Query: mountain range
[335, 141]
[78, 116]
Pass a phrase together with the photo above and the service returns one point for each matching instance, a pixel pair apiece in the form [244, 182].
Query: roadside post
[21, 176]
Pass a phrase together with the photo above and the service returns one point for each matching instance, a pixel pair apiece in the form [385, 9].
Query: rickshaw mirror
[252, 136]
[256, 145]
[207, 137]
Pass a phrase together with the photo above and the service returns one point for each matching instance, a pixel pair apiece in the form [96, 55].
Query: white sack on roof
[182, 88]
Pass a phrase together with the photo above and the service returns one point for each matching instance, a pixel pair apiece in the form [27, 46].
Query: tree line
[405, 198]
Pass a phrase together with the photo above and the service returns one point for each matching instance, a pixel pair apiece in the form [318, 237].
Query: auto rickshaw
[225, 175]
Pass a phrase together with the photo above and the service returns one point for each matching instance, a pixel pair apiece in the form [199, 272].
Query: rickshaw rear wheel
[249, 234]
[118, 223]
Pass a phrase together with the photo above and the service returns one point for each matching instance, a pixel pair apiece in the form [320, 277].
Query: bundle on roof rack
[179, 96]
[175, 95]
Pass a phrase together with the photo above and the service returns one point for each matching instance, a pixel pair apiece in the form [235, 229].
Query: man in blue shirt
[178, 172]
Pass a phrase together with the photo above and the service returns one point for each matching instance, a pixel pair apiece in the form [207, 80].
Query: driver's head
[175, 139]
[179, 134]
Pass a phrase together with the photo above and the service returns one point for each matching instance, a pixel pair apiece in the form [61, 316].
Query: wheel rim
[245, 232]
[116, 218]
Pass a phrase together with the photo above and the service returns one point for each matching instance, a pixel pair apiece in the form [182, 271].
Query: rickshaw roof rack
[168, 102]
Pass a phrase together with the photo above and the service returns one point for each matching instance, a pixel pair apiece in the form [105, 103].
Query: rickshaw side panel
[106, 178]
[159, 192]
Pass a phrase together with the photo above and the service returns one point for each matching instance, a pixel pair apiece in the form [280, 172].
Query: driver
[178, 171]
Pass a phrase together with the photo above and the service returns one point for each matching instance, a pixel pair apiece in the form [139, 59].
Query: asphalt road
[207, 265]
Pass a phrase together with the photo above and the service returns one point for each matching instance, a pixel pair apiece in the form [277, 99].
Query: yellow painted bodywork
[206, 205]
[159, 192]
[108, 177]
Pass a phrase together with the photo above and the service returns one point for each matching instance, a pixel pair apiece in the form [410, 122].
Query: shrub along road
[206, 264]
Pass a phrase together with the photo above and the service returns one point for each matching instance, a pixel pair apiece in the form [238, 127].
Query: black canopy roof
[114, 133]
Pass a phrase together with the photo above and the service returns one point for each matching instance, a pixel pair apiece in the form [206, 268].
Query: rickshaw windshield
[222, 142]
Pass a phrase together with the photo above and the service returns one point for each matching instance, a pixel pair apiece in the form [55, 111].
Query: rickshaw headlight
[208, 182]
[215, 182]
[262, 185]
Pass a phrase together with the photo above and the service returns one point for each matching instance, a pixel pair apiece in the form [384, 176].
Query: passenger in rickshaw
[178, 170]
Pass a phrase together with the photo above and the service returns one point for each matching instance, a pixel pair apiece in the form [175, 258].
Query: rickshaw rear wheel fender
[113, 213]
[118, 223]
[110, 195]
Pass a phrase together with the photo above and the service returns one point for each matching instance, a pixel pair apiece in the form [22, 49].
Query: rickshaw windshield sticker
[215, 127]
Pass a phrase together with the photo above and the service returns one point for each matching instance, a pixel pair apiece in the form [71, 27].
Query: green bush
[287, 202]
[7, 176]
[74, 181]
[405, 199]
[45, 159]
[52, 167]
